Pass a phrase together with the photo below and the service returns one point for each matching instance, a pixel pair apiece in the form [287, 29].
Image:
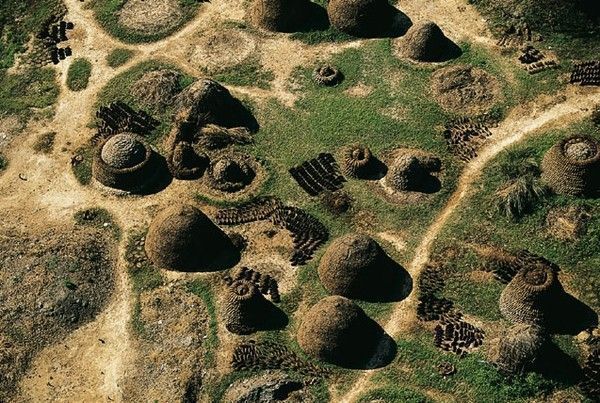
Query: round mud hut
[357, 161]
[355, 266]
[244, 307]
[362, 18]
[125, 162]
[338, 331]
[532, 295]
[186, 163]
[231, 173]
[572, 166]
[280, 15]
[425, 42]
[520, 348]
[183, 238]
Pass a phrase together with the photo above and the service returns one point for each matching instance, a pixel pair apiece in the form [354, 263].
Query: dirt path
[515, 128]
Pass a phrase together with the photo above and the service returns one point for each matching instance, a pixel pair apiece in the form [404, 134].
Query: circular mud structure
[465, 90]
[125, 162]
[151, 17]
[219, 49]
[231, 176]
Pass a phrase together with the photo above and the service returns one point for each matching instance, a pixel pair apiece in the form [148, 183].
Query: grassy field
[22, 92]
[79, 74]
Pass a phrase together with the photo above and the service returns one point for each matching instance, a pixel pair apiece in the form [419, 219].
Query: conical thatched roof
[530, 296]
[405, 173]
[362, 18]
[338, 331]
[572, 166]
[425, 42]
[355, 266]
[183, 238]
[357, 160]
[519, 348]
[243, 307]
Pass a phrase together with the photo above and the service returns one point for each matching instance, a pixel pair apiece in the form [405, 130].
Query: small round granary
[125, 162]
[572, 166]
[357, 161]
[338, 331]
[183, 238]
[362, 18]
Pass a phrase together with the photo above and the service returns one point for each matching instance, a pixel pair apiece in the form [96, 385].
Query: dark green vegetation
[119, 57]
[3, 162]
[82, 167]
[107, 14]
[44, 143]
[79, 74]
[571, 27]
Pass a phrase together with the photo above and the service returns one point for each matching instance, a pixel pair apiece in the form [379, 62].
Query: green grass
[250, 73]
[98, 217]
[79, 74]
[119, 57]
[44, 143]
[106, 12]
[19, 93]
[204, 289]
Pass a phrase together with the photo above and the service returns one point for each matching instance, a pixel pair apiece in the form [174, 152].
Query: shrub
[118, 57]
[78, 75]
[518, 196]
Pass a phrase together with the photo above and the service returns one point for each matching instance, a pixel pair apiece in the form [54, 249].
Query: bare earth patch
[151, 16]
[220, 48]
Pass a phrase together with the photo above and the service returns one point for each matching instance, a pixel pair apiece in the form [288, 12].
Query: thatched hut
[355, 266]
[183, 238]
[406, 173]
[531, 295]
[572, 166]
[124, 161]
[338, 331]
[425, 42]
[280, 15]
[362, 18]
[520, 348]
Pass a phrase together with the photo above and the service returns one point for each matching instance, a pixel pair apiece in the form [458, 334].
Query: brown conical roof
[362, 18]
[355, 266]
[519, 348]
[183, 238]
[338, 331]
[425, 42]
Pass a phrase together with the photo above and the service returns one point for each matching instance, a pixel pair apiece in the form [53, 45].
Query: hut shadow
[376, 171]
[431, 184]
[379, 356]
[239, 115]
[161, 179]
[452, 51]
[555, 364]
[399, 23]
[316, 19]
[392, 285]
[229, 257]
[571, 316]
[272, 317]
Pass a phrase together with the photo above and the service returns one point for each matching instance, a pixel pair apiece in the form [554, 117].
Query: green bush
[79, 74]
[119, 57]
